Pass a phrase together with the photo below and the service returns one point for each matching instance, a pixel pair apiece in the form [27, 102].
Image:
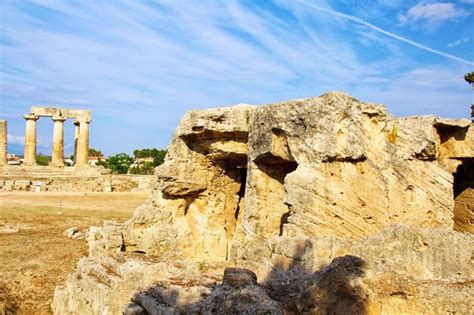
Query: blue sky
[140, 65]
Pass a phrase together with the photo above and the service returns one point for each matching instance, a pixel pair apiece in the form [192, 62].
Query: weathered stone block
[23, 184]
[284, 189]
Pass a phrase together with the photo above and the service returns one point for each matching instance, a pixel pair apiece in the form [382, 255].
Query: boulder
[283, 190]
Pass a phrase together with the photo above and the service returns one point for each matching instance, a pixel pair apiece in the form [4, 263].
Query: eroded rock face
[284, 189]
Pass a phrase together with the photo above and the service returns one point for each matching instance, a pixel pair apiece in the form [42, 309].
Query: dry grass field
[35, 260]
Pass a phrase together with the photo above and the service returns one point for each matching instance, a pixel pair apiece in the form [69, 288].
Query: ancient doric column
[83, 144]
[30, 140]
[76, 138]
[3, 142]
[58, 141]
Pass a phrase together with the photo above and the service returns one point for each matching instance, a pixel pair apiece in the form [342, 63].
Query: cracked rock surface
[335, 205]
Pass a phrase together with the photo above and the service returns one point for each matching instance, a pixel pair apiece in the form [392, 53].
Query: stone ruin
[82, 119]
[336, 206]
[56, 177]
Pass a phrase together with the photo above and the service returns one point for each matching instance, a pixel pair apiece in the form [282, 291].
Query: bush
[119, 163]
[43, 160]
[146, 168]
[157, 155]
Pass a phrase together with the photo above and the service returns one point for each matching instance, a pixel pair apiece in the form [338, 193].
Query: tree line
[143, 161]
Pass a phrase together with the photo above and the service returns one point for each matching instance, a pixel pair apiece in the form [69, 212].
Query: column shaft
[58, 142]
[30, 140]
[83, 144]
[76, 139]
[3, 142]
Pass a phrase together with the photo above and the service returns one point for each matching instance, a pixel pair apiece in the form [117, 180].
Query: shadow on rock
[239, 293]
[291, 289]
[9, 303]
[331, 290]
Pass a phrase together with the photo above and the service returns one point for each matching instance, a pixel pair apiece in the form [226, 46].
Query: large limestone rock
[284, 189]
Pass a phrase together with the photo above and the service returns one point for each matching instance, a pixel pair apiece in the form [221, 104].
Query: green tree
[43, 160]
[119, 163]
[101, 162]
[469, 77]
[95, 152]
[146, 168]
[157, 155]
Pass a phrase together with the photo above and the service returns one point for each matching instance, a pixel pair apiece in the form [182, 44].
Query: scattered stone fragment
[78, 236]
[8, 230]
[71, 231]
[134, 309]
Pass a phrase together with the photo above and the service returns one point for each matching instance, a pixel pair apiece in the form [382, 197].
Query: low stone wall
[70, 179]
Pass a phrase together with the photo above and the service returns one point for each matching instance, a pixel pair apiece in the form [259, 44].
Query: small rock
[8, 230]
[240, 294]
[70, 232]
[133, 309]
[237, 277]
[78, 236]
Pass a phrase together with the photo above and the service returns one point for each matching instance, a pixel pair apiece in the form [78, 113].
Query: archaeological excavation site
[324, 205]
[56, 177]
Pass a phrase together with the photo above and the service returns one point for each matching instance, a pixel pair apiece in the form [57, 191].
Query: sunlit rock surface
[284, 190]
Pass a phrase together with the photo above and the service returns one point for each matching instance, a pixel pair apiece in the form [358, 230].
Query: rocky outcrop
[284, 189]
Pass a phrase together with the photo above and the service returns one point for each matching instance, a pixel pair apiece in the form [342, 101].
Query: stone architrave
[3, 142]
[58, 141]
[83, 144]
[30, 139]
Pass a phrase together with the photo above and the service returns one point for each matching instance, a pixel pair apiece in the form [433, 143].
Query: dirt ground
[35, 260]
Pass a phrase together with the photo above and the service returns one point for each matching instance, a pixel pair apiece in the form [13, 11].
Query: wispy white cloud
[432, 13]
[458, 42]
[42, 142]
[14, 139]
[382, 31]
[437, 86]
[454, 44]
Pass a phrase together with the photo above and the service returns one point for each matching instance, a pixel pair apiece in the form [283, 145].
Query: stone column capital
[31, 117]
[59, 118]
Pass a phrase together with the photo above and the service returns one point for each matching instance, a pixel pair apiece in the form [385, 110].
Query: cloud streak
[382, 31]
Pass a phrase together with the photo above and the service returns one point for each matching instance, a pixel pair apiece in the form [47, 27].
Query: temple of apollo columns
[82, 119]
[56, 177]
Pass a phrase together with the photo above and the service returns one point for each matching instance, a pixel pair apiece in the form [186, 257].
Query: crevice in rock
[446, 132]
[348, 159]
[241, 193]
[463, 178]
[275, 170]
[204, 134]
[283, 221]
[463, 192]
[234, 188]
